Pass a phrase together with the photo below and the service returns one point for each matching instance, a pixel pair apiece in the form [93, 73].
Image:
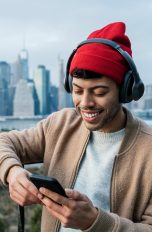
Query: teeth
[88, 115]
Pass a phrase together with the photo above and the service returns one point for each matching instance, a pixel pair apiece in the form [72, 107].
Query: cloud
[52, 27]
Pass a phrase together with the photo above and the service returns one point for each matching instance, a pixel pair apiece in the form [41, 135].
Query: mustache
[90, 108]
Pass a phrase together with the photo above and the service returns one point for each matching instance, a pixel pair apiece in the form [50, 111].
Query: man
[98, 150]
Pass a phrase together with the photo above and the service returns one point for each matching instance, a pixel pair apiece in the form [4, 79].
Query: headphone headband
[137, 88]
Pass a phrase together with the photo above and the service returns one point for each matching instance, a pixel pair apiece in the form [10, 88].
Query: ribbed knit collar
[99, 137]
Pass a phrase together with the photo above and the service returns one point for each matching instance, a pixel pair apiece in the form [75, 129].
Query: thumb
[77, 196]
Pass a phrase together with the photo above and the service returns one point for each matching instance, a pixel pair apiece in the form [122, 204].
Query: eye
[77, 91]
[99, 93]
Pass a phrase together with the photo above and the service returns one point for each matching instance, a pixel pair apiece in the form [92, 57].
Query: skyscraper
[5, 75]
[23, 100]
[42, 85]
[61, 92]
[31, 84]
[20, 68]
[64, 99]
[54, 98]
[23, 60]
[5, 72]
[20, 71]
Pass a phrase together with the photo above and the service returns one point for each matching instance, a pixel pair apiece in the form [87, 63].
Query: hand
[76, 211]
[21, 189]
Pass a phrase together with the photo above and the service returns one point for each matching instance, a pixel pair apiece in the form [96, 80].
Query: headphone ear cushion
[70, 83]
[68, 78]
[66, 84]
[125, 93]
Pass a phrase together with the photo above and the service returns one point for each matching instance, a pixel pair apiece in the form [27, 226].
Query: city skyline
[50, 29]
[25, 95]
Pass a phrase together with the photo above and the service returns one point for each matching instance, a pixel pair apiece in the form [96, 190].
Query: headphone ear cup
[68, 78]
[68, 83]
[125, 93]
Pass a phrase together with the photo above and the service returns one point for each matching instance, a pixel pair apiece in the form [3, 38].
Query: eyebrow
[95, 87]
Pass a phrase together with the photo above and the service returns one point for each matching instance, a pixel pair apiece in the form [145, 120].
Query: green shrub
[36, 219]
[2, 227]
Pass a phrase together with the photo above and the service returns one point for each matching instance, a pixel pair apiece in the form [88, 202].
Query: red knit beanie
[102, 58]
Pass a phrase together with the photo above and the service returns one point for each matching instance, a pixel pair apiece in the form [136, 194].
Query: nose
[87, 100]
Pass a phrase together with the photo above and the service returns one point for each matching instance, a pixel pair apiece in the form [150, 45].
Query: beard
[105, 119]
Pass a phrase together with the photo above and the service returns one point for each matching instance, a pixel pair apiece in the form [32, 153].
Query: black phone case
[47, 182]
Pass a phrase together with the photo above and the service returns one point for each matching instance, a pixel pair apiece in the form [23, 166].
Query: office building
[61, 91]
[42, 85]
[64, 99]
[5, 75]
[23, 60]
[23, 100]
[54, 98]
[20, 68]
[31, 85]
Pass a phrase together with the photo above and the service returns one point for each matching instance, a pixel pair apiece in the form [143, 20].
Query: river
[10, 123]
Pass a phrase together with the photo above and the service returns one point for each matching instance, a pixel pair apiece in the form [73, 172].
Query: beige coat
[61, 140]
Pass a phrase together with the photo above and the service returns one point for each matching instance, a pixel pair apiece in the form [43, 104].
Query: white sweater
[94, 176]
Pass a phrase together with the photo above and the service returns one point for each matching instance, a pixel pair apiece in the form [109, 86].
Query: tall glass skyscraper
[23, 60]
[42, 85]
[64, 99]
[5, 75]
[23, 100]
[20, 68]
[61, 92]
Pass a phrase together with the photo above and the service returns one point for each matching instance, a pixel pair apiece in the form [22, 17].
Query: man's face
[97, 101]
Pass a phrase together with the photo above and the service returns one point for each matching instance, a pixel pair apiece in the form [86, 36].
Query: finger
[54, 196]
[16, 196]
[59, 216]
[62, 213]
[23, 180]
[75, 195]
[56, 214]
[51, 204]
[27, 184]
[19, 199]
[25, 194]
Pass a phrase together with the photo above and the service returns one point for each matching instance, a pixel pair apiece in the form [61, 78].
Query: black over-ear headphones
[132, 87]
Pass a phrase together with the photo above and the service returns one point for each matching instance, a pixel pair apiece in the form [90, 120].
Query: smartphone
[48, 182]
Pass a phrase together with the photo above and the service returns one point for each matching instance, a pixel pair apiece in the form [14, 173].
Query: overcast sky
[54, 28]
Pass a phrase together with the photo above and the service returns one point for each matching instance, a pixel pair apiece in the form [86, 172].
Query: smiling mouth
[89, 115]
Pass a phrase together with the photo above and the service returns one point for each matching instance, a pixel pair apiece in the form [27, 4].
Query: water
[10, 123]
[148, 121]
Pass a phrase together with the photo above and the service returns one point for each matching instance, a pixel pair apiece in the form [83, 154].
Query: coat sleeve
[111, 222]
[21, 147]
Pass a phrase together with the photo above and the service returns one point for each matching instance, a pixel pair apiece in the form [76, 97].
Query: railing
[21, 216]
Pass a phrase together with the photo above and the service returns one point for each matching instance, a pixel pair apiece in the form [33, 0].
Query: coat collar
[131, 131]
